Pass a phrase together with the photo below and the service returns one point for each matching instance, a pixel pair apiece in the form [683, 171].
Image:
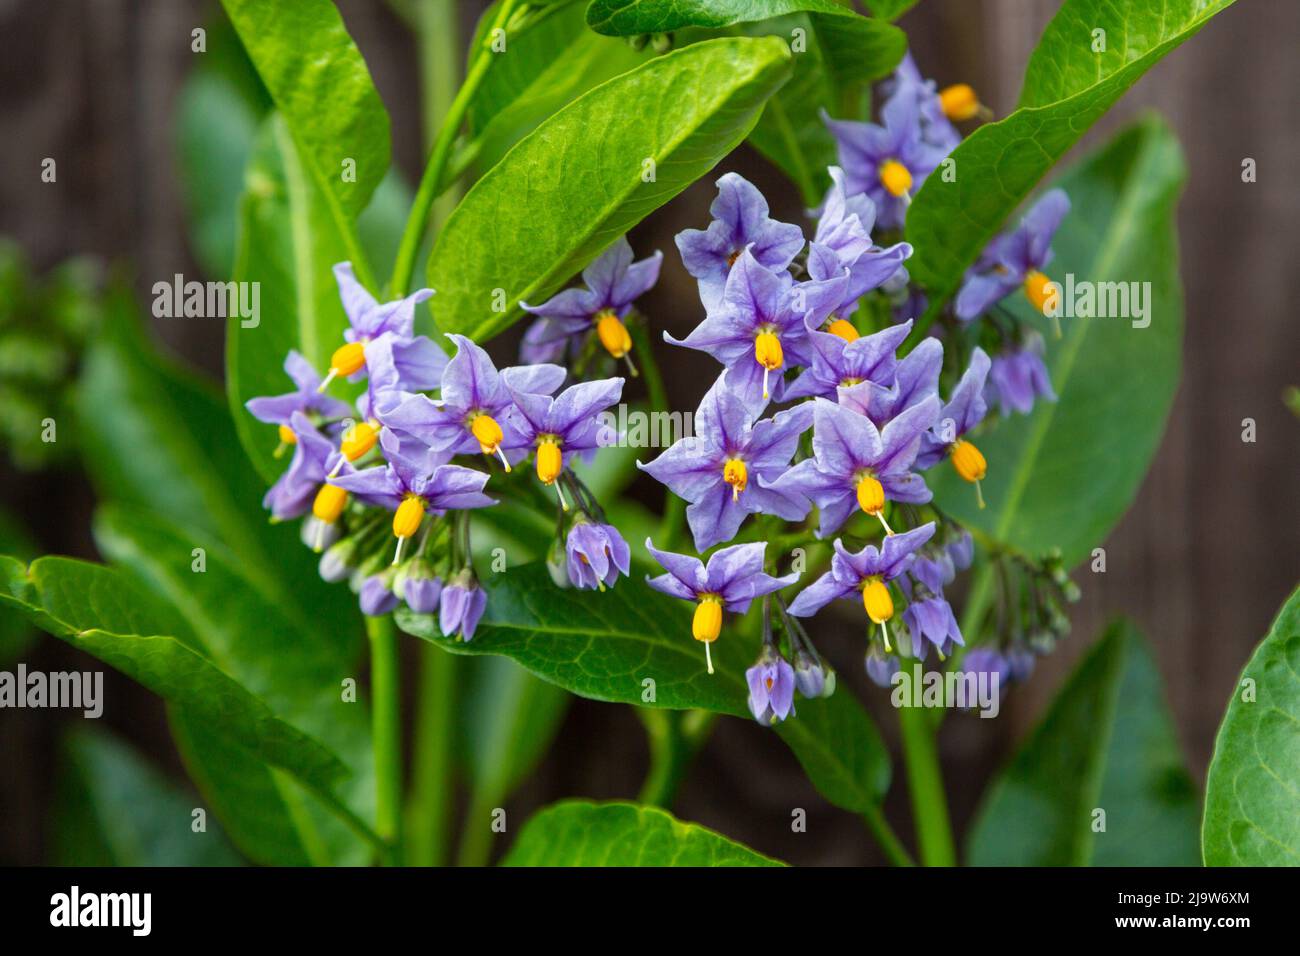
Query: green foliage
[1067, 88]
[1252, 808]
[583, 177]
[625, 643]
[1064, 475]
[1106, 744]
[579, 833]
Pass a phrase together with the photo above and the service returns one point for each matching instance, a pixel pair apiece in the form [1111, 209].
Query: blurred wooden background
[1206, 555]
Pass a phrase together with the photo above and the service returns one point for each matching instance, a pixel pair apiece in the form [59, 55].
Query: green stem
[925, 781]
[675, 737]
[432, 180]
[886, 838]
[476, 836]
[386, 729]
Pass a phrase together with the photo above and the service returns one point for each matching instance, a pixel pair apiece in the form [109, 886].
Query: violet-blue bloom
[907, 80]
[881, 667]
[470, 414]
[837, 363]
[725, 468]
[989, 662]
[1018, 376]
[888, 162]
[760, 328]
[771, 687]
[377, 597]
[854, 465]
[915, 378]
[740, 222]
[931, 619]
[314, 457]
[730, 581]
[962, 550]
[1015, 259]
[596, 555]
[306, 397]
[461, 608]
[416, 360]
[966, 408]
[850, 572]
[613, 282]
[421, 594]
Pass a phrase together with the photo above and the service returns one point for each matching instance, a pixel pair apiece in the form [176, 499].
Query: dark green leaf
[1252, 804]
[889, 9]
[579, 833]
[1107, 743]
[619, 645]
[16, 635]
[1067, 88]
[116, 809]
[1064, 475]
[579, 180]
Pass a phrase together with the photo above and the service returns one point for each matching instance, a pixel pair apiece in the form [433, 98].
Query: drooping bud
[895, 177]
[418, 584]
[809, 675]
[339, 561]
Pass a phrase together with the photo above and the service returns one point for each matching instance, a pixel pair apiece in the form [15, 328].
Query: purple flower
[732, 579]
[966, 408]
[413, 484]
[556, 427]
[843, 241]
[881, 667]
[856, 465]
[471, 414]
[597, 554]
[962, 550]
[1015, 259]
[771, 687]
[871, 566]
[613, 281]
[740, 222]
[887, 162]
[377, 597]
[915, 378]
[463, 603]
[907, 81]
[1018, 376]
[810, 675]
[837, 363]
[989, 662]
[417, 583]
[760, 326]
[314, 456]
[306, 398]
[931, 619]
[725, 468]
[1020, 663]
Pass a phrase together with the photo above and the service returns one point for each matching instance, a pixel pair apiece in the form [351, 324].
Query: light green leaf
[117, 809]
[320, 83]
[580, 833]
[1067, 88]
[1107, 743]
[583, 177]
[889, 9]
[1252, 794]
[99, 611]
[607, 646]
[1064, 475]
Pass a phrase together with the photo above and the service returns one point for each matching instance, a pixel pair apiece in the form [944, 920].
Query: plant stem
[674, 737]
[925, 781]
[386, 729]
[431, 181]
[886, 838]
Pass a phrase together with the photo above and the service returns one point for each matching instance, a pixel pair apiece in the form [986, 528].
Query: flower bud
[809, 675]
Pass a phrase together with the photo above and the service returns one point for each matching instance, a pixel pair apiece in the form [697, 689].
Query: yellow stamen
[359, 439]
[844, 329]
[769, 354]
[895, 177]
[550, 461]
[876, 599]
[735, 474]
[970, 464]
[287, 436]
[613, 334]
[329, 504]
[959, 102]
[707, 623]
[346, 360]
[406, 521]
[489, 435]
[1038, 288]
[871, 499]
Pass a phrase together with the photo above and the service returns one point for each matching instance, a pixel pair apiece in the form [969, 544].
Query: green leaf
[16, 635]
[1064, 475]
[116, 809]
[889, 9]
[1252, 803]
[320, 83]
[1106, 743]
[606, 646]
[550, 60]
[1067, 88]
[578, 181]
[581, 833]
[101, 612]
